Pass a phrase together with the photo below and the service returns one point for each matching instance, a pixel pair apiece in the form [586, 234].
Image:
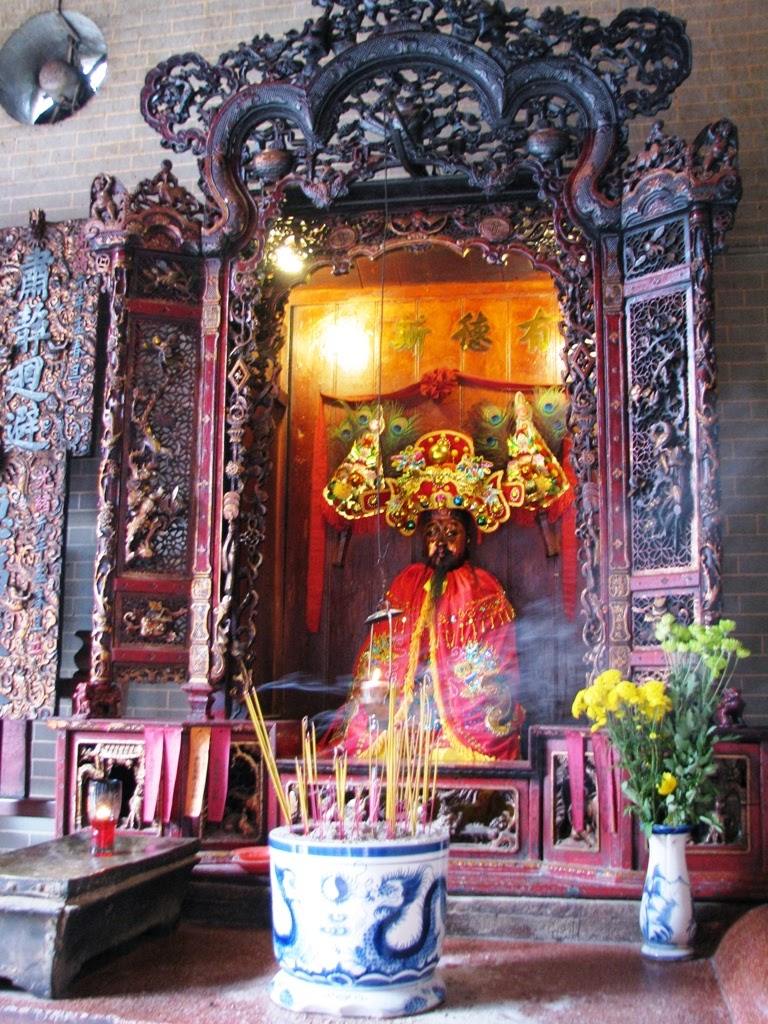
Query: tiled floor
[200, 975]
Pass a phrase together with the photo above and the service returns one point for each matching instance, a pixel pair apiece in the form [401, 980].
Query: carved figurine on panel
[150, 509]
[154, 623]
[107, 199]
[164, 190]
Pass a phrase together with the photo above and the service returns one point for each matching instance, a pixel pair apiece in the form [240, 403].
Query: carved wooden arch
[282, 130]
[315, 111]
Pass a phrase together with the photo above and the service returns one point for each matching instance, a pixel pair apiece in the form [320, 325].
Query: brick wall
[52, 167]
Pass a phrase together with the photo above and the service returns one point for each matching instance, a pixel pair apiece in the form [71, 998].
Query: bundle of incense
[340, 771]
[374, 796]
[262, 736]
[309, 760]
[302, 789]
[391, 769]
[408, 774]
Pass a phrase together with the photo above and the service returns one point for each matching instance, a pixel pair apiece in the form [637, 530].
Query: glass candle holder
[105, 798]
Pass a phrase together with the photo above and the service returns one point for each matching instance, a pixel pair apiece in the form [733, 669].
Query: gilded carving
[159, 461]
[47, 346]
[133, 674]
[97, 697]
[481, 818]
[154, 621]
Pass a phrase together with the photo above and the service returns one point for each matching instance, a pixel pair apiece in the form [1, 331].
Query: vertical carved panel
[31, 527]
[159, 458]
[145, 243]
[47, 344]
[244, 818]
[731, 805]
[96, 697]
[564, 834]
[205, 589]
[708, 463]
[661, 448]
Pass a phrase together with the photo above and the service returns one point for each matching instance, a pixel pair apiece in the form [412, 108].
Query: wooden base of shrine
[60, 907]
[551, 826]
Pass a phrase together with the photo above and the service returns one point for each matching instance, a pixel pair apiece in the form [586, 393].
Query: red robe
[465, 648]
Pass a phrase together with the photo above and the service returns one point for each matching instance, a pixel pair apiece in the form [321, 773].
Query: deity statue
[445, 632]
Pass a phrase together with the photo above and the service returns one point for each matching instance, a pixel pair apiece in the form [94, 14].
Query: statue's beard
[442, 565]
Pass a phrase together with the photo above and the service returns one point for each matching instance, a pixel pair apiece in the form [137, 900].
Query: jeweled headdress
[531, 465]
[358, 488]
[441, 471]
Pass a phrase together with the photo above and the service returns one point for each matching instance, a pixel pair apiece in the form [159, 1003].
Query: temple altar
[551, 825]
[524, 252]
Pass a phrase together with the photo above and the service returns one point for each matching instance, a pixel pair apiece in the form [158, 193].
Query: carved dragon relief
[155, 621]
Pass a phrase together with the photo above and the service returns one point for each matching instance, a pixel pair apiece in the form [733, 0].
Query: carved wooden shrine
[374, 129]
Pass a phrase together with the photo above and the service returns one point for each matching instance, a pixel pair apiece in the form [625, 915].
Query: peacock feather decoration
[490, 423]
[550, 415]
[401, 428]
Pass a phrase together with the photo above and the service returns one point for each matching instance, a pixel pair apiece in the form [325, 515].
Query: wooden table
[59, 906]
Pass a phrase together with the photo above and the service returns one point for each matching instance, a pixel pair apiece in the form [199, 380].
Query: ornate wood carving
[47, 342]
[96, 698]
[497, 130]
[481, 818]
[145, 244]
[564, 833]
[660, 485]
[675, 192]
[434, 88]
[163, 375]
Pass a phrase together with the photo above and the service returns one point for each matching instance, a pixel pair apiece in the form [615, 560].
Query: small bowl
[254, 859]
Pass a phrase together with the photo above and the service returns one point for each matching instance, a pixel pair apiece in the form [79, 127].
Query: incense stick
[408, 760]
[267, 755]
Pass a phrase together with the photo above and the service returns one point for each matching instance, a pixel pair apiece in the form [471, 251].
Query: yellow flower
[612, 701]
[653, 699]
[579, 704]
[607, 680]
[667, 785]
[626, 692]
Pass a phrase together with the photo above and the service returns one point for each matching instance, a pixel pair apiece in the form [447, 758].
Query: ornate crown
[441, 471]
[532, 465]
[358, 489]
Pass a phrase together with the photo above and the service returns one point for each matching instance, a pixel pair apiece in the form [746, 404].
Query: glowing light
[347, 340]
[288, 259]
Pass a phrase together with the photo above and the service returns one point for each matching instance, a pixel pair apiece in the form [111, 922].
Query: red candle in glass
[104, 801]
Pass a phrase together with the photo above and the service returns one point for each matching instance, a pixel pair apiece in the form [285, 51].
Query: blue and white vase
[358, 927]
[666, 908]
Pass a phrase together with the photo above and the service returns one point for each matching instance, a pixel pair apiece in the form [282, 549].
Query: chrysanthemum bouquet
[664, 731]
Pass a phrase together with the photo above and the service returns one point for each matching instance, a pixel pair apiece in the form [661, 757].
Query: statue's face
[445, 541]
